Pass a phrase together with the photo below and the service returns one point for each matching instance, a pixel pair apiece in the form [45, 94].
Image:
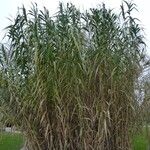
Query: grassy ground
[140, 141]
[14, 141]
[10, 141]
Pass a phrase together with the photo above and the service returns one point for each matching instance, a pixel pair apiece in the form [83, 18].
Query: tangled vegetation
[68, 80]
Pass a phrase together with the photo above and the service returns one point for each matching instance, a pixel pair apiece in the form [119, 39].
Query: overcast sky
[8, 9]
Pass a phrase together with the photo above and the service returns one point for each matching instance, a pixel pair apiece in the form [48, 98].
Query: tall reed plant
[70, 78]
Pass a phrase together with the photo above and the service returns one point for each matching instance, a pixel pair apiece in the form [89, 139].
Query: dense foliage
[68, 80]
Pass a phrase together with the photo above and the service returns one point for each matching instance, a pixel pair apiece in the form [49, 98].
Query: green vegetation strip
[140, 140]
[140, 143]
[11, 141]
[14, 141]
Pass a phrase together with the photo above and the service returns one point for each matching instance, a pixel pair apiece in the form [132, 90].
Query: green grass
[11, 141]
[14, 141]
[140, 141]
